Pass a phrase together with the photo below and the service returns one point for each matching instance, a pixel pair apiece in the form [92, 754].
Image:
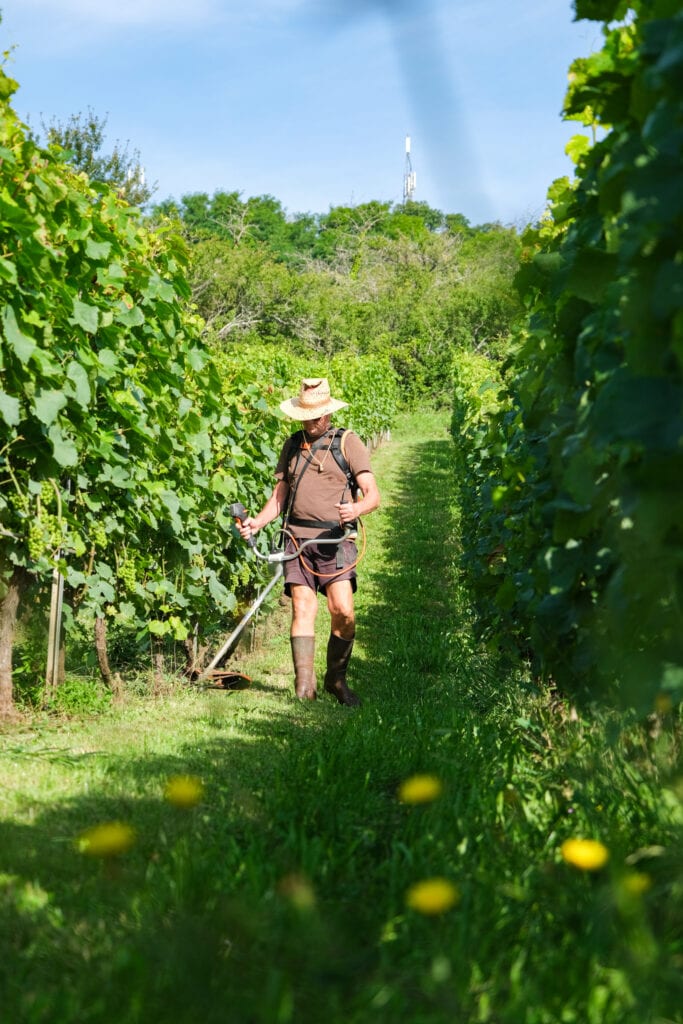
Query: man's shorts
[317, 566]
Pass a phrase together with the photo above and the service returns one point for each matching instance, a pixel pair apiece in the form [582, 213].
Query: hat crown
[313, 401]
[315, 391]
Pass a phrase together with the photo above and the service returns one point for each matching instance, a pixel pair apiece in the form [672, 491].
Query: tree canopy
[82, 137]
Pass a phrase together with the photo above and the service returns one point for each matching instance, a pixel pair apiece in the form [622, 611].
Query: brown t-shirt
[323, 484]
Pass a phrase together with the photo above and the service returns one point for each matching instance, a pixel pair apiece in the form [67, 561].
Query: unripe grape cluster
[127, 574]
[36, 540]
[46, 535]
[99, 536]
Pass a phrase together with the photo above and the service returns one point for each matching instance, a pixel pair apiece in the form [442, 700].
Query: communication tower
[409, 177]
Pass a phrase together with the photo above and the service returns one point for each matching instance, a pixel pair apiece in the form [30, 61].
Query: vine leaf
[86, 316]
[22, 345]
[10, 409]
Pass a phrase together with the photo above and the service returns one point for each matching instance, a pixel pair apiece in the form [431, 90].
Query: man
[315, 495]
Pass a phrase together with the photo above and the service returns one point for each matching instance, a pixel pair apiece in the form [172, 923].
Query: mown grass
[281, 896]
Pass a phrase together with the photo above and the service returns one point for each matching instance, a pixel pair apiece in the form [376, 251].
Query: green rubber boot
[338, 654]
[303, 655]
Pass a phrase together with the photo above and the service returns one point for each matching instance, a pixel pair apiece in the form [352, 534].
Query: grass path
[282, 895]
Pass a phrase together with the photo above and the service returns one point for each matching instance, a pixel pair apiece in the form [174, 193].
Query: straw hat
[314, 400]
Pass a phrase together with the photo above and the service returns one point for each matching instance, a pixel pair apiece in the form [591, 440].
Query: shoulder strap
[292, 445]
[339, 455]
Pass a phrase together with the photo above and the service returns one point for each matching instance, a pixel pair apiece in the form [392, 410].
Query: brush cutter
[223, 679]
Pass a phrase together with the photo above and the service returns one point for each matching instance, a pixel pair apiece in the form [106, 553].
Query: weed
[77, 696]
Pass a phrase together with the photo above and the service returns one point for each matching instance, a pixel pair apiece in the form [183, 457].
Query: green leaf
[10, 409]
[74, 578]
[48, 404]
[667, 296]
[22, 345]
[64, 450]
[114, 274]
[7, 86]
[119, 476]
[108, 360]
[97, 250]
[158, 627]
[223, 485]
[127, 611]
[644, 409]
[548, 262]
[197, 359]
[81, 385]
[577, 146]
[8, 271]
[220, 594]
[178, 627]
[171, 501]
[592, 271]
[86, 316]
[130, 317]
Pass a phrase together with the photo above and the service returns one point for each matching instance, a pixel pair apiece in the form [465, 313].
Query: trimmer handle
[239, 512]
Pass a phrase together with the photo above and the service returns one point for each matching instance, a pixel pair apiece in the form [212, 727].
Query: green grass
[282, 895]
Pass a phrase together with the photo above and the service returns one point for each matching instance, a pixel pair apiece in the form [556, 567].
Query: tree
[82, 137]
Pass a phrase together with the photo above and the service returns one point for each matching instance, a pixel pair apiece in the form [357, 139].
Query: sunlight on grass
[422, 858]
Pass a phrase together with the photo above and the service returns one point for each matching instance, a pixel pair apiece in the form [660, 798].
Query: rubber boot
[303, 654]
[338, 654]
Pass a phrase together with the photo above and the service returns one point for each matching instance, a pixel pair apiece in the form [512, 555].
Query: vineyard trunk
[8, 623]
[111, 680]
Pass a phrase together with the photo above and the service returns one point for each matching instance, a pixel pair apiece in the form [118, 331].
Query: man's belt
[315, 524]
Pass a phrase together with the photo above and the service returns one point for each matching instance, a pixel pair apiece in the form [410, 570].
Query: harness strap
[295, 444]
[315, 524]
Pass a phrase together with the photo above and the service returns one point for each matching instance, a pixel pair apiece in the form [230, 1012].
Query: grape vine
[577, 555]
[123, 436]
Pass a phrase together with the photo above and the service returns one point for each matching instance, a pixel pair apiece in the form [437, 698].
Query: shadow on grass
[210, 916]
[418, 624]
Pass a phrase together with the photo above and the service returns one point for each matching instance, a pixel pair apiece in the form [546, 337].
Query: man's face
[316, 428]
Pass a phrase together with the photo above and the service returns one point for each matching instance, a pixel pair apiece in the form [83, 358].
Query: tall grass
[284, 893]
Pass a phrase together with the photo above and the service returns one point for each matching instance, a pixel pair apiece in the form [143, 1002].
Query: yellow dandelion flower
[663, 703]
[106, 840]
[298, 891]
[586, 854]
[420, 789]
[184, 791]
[432, 896]
[635, 883]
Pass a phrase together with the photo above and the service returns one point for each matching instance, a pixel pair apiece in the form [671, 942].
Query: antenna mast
[409, 177]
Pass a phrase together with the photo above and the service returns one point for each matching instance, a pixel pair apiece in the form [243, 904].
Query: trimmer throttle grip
[239, 512]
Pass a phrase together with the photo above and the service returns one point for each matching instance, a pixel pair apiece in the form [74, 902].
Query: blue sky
[311, 100]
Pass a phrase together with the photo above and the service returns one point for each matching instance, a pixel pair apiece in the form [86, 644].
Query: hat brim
[292, 407]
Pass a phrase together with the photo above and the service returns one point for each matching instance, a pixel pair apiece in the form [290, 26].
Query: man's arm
[271, 510]
[350, 510]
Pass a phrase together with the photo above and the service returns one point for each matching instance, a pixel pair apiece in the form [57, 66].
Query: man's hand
[247, 527]
[347, 512]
